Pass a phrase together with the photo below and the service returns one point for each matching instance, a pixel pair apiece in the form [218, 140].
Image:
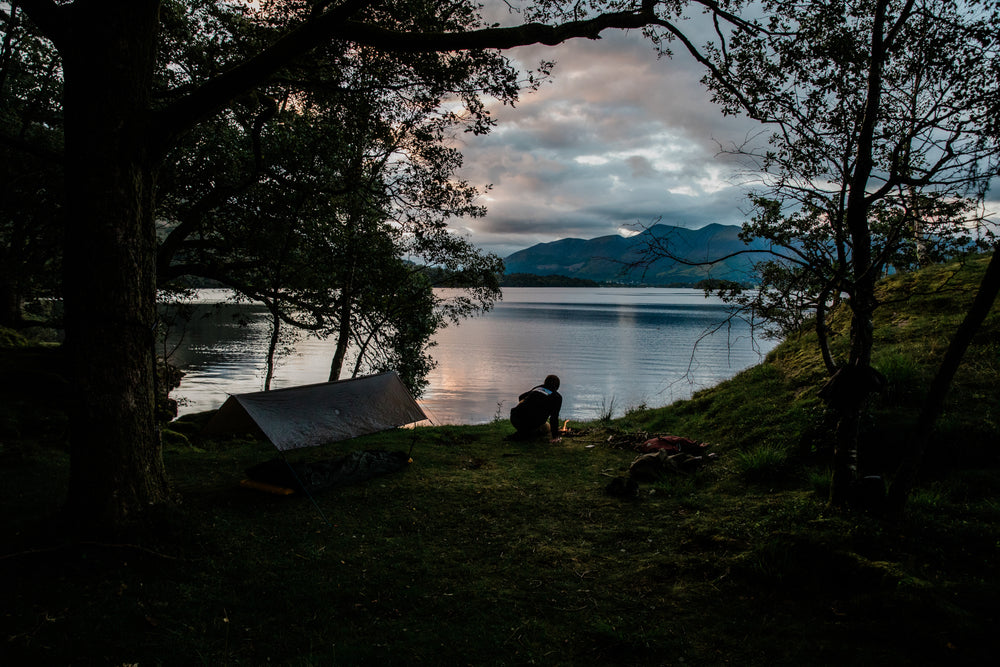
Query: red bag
[669, 443]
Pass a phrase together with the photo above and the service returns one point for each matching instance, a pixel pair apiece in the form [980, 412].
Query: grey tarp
[311, 415]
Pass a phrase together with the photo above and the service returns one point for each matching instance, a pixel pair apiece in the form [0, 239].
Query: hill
[913, 327]
[490, 551]
[608, 258]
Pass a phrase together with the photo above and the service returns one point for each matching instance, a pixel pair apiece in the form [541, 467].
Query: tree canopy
[302, 194]
[31, 205]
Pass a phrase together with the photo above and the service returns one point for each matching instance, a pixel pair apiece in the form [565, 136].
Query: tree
[29, 169]
[301, 195]
[116, 136]
[882, 154]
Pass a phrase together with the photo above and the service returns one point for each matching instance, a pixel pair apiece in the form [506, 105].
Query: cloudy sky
[616, 138]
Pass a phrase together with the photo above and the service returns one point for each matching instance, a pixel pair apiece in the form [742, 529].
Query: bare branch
[702, 59]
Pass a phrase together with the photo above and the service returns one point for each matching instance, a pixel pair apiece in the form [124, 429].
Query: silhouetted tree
[299, 203]
[882, 154]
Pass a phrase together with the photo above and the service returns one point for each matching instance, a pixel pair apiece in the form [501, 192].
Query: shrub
[819, 482]
[763, 463]
[904, 377]
[11, 338]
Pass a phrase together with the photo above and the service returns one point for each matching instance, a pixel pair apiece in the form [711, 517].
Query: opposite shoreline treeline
[534, 280]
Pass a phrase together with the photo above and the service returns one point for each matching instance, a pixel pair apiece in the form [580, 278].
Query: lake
[613, 348]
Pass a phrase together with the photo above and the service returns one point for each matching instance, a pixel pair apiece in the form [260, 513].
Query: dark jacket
[534, 407]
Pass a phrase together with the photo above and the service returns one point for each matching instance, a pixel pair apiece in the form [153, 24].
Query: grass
[607, 412]
[762, 463]
[487, 551]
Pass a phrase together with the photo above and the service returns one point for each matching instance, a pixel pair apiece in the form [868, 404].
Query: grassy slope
[494, 552]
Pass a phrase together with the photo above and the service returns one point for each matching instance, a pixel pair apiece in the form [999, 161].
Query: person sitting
[534, 407]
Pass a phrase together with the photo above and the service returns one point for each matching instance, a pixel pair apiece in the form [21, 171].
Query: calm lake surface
[610, 346]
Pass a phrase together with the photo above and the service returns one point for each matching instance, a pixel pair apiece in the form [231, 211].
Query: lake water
[620, 347]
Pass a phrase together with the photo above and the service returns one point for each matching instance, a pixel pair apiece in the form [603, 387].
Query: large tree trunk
[116, 462]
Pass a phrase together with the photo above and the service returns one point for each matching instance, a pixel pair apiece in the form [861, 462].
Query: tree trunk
[5, 48]
[116, 459]
[823, 333]
[272, 346]
[933, 405]
[10, 302]
[343, 333]
[856, 383]
[853, 394]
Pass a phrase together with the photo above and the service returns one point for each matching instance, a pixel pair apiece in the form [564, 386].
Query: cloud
[616, 138]
[641, 166]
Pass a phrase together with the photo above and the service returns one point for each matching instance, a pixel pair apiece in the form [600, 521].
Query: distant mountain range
[610, 258]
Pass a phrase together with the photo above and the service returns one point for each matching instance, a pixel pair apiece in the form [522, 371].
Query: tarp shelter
[311, 415]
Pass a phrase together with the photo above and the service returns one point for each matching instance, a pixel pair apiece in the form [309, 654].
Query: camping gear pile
[668, 454]
[660, 457]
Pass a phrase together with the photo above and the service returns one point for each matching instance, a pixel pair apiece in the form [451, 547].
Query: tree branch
[51, 19]
[336, 23]
[191, 221]
[715, 72]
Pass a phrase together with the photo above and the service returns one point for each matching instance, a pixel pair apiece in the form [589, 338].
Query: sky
[616, 138]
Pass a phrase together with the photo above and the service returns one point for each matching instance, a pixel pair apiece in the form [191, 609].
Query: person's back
[535, 407]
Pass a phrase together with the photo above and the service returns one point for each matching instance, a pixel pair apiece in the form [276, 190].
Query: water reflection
[629, 346]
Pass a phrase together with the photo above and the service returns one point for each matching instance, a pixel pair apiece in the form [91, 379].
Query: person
[535, 406]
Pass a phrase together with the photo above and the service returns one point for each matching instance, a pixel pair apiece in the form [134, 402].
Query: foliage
[308, 194]
[818, 73]
[12, 338]
[30, 169]
[607, 411]
[913, 328]
[762, 463]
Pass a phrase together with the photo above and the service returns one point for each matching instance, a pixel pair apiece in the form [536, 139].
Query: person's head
[551, 382]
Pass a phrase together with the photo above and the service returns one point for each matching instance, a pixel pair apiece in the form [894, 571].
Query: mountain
[607, 258]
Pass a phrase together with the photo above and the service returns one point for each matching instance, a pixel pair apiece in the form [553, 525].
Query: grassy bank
[487, 551]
